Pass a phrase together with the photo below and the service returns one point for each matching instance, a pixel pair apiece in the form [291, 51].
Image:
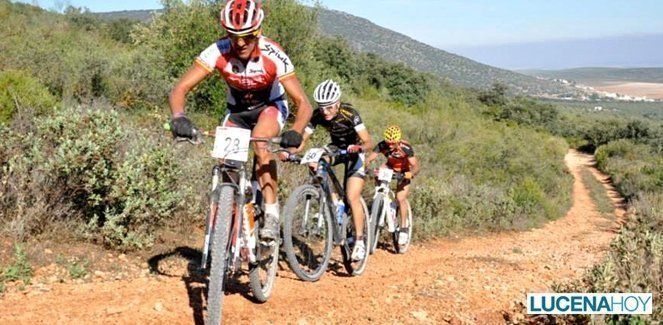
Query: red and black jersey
[397, 159]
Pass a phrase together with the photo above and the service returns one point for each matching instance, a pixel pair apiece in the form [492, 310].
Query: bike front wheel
[219, 254]
[307, 233]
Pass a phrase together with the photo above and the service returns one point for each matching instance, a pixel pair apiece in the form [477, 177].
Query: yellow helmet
[393, 133]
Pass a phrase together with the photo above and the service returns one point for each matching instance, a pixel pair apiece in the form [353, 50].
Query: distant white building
[598, 108]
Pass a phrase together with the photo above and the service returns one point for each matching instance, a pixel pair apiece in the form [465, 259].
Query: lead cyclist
[258, 74]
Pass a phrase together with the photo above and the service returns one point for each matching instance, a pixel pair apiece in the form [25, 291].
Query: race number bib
[312, 156]
[385, 174]
[231, 143]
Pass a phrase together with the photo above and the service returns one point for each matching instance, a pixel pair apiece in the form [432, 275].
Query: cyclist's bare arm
[414, 162]
[190, 79]
[371, 156]
[304, 110]
[367, 142]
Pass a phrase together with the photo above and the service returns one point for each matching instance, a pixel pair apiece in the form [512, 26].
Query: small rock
[122, 257]
[158, 307]
[420, 315]
[48, 251]
[99, 274]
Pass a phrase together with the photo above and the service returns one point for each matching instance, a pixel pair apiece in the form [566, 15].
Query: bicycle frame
[329, 176]
[325, 177]
[242, 225]
[242, 240]
[384, 188]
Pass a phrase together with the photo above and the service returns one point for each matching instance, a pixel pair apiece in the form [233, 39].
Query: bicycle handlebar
[198, 135]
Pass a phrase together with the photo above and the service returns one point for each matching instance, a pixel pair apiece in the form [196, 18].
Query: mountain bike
[311, 225]
[234, 220]
[385, 212]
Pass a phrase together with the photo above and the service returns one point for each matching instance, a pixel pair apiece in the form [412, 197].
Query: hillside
[140, 15]
[602, 74]
[365, 36]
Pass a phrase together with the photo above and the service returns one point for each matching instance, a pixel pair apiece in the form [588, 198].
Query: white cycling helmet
[242, 17]
[327, 93]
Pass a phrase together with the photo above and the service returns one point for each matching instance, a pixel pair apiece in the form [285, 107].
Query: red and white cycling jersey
[255, 84]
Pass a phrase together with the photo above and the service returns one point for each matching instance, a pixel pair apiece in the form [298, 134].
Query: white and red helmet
[241, 17]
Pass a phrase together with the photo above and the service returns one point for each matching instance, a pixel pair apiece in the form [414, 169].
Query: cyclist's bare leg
[267, 126]
[402, 192]
[353, 190]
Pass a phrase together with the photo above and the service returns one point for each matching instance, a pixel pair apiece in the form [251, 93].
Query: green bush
[635, 168]
[19, 90]
[87, 167]
[20, 270]
[74, 56]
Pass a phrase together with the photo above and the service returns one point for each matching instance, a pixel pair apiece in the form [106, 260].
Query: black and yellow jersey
[343, 128]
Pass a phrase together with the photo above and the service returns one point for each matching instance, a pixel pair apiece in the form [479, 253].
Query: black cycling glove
[291, 139]
[182, 127]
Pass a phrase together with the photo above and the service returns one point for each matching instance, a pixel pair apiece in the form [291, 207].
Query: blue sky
[456, 23]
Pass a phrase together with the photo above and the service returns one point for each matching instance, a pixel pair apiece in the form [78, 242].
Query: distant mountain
[365, 36]
[622, 51]
[139, 15]
[602, 74]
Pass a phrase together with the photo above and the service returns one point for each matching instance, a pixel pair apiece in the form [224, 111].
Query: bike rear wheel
[219, 254]
[400, 249]
[376, 212]
[356, 268]
[262, 274]
[307, 233]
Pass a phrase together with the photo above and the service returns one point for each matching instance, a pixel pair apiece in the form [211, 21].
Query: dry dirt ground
[465, 280]
[640, 89]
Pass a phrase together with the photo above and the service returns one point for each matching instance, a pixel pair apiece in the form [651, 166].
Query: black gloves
[291, 139]
[182, 127]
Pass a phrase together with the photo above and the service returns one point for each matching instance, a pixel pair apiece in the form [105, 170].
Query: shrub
[86, 167]
[74, 57]
[20, 270]
[19, 90]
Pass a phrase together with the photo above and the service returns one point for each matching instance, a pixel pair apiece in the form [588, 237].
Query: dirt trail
[468, 280]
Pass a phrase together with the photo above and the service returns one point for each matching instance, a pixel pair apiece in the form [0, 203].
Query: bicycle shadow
[195, 280]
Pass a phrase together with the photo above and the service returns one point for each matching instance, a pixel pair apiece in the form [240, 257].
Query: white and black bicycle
[234, 219]
[385, 213]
